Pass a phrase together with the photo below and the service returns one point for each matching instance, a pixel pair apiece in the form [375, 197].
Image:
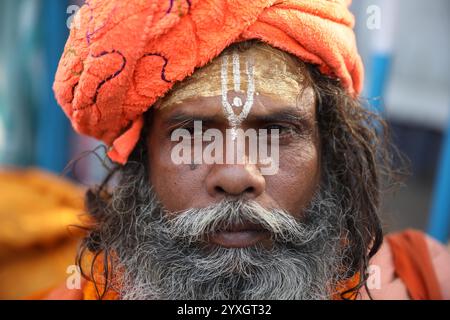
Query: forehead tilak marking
[279, 79]
[233, 119]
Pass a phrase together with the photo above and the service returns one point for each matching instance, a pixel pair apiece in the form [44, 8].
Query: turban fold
[121, 56]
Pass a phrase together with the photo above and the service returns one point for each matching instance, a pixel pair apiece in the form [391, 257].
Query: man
[247, 167]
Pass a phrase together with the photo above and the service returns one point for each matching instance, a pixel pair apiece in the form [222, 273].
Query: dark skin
[180, 187]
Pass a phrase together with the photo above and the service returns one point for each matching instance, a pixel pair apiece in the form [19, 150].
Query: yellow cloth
[36, 243]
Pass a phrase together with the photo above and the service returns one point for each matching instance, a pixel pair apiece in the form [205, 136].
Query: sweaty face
[256, 88]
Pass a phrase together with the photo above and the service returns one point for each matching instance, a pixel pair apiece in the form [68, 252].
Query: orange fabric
[345, 289]
[90, 293]
[413, 265]
[96, 291]
[122, 56]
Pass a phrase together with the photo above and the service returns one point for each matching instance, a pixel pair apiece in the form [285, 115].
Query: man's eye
[274, 127]
[282, 129]
[189, 129]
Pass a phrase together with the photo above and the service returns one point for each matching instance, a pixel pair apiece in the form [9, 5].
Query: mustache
[195, 224]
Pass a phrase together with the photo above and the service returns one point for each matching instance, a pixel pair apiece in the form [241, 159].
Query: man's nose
[243, 180]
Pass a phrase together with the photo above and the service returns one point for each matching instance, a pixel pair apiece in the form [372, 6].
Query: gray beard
[168, 258]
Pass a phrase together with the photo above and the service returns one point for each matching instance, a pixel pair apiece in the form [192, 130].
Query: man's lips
[240, 236]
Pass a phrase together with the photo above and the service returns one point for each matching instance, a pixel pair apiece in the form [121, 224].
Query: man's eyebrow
[287, 115]
[181, 117]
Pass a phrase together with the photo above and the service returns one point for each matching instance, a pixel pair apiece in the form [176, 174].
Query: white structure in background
[383, 37]
[420, 82]
[418, 90]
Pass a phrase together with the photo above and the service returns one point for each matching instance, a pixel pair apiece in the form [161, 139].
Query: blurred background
[405, 47]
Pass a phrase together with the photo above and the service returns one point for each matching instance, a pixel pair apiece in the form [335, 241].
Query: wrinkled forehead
[272, 72]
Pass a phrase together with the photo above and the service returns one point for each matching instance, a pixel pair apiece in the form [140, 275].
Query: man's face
[282, 99]
[225, 229]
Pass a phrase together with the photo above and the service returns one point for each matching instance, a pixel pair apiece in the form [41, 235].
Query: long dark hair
[358, 154]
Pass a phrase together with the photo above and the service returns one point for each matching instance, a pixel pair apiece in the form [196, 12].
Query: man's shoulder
[409, 257]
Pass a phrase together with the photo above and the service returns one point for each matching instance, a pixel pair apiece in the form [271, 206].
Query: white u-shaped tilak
[236, 120]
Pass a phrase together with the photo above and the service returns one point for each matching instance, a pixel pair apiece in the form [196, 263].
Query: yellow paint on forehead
[277, 74]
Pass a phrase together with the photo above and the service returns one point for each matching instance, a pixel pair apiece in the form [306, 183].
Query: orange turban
[122, 56]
